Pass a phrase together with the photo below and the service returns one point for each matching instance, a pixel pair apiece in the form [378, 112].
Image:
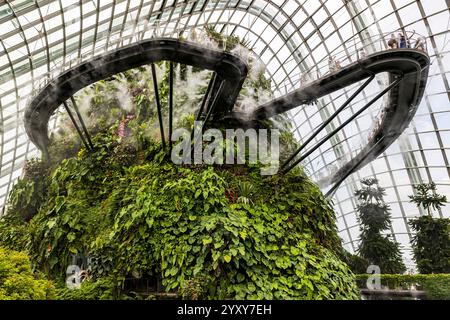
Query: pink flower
[121, 131]
[122, 125]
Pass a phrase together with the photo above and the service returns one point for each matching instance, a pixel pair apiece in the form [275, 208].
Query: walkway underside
[407, 67]
[230, 72]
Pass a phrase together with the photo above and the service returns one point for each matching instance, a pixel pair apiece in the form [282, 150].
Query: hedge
[436, 286]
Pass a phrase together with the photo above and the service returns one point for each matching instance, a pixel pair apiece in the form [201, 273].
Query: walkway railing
[356, 49]
[122, 38]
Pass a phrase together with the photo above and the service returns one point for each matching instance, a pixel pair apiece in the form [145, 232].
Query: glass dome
[293, 38]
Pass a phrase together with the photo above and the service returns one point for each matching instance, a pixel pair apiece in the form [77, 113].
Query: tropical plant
[245, 191]
[374, 216]
[102, 289]
[431, 242]
[27, 204]
[427, 197]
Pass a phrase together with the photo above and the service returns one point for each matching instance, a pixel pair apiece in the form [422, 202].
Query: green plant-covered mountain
[199, 231]
[185, 225]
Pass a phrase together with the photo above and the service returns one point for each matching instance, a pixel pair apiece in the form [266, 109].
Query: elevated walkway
[408, 74]
[229, 69]
[407, 70]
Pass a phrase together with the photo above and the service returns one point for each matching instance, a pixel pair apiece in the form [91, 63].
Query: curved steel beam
[228, 67]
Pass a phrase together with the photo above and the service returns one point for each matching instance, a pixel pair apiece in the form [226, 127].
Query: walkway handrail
[197, 36]
[345, 57]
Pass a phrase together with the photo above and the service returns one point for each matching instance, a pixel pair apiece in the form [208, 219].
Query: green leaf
[149, 222]
[295, 251]
[71, 236]
[227, 258]
[51, 223]
[207, 241]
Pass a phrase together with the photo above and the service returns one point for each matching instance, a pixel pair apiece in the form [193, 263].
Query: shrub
[18, 282]
[436, 286]
[102, 289]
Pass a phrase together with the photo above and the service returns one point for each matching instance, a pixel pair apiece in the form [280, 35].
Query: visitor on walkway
[331, 65]
[302, 80]
[393, 42]
[402, 41]
[334, 64]
[362, 53]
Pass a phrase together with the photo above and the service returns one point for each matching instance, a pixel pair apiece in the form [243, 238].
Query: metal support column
[76, 125]
[170, 105]
[158, 105]
[343, 125]
[83, 126]
[328, 121]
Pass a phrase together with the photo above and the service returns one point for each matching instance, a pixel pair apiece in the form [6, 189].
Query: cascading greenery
[203, 231]
[180, 223]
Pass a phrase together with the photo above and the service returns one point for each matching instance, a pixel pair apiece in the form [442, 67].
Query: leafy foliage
[18, 282]
[227, 43]
[183, 227]
[102, 289]
[26, 204]
[245, 190]
[374, 216]
[431, 244]
[177, 222]
[357, 264]
[206, 232]
[427, 197]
